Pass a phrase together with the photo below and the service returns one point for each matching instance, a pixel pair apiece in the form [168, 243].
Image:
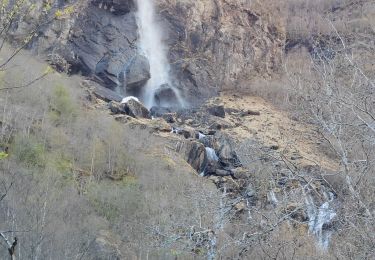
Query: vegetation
[73, 179]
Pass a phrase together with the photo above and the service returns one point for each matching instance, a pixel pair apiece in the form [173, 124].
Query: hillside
[187, 129]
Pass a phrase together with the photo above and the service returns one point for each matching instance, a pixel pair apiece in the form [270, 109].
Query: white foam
[126, 99]
[211, 154]
[201, 136]
[318, 217]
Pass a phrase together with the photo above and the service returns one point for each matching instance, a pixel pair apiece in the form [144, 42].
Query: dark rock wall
[214, 44]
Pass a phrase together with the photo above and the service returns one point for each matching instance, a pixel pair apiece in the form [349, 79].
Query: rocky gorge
[207, 129]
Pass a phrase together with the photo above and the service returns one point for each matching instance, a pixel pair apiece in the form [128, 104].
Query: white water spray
[318, 217]
[211, 154]
[152, 46]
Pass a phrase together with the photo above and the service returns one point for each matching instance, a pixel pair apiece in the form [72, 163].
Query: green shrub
[62, 105]
[3, 155]
[29, 151]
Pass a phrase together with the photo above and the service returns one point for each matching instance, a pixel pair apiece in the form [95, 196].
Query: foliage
[62, 13]
[28, 150]
[62, 106]
[3, 155]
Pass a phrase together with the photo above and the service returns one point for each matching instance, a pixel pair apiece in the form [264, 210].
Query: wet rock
[137, 74]
[216, 110]
[166, 96]
[194, 153]
[102, 43]
[135, 109]
[207, 140]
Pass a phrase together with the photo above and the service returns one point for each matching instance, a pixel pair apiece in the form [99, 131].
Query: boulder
[222, 172]
[226, 152]
[137, 74]
[194, 153]
[159, 125]
[187, 132]
[101, 92]
[135, 109]
[115, 107]
[166, 96]
[216, 110]
[240, 173]
[126, 99]
[105, 246]
[170, 117]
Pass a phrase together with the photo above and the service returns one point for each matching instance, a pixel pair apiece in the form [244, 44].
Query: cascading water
[211, 154]
[319, 216]
[152, 46]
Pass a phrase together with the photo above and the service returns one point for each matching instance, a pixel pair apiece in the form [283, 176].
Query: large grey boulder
[226, 152]
[137, 73]
[135, 109]
[194, 153]
[106, 246]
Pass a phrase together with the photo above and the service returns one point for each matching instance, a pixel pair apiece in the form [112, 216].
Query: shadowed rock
[135, 109]
[137, 74]
[194, 153]
[106, 94]
[165, 96]
[216, 110]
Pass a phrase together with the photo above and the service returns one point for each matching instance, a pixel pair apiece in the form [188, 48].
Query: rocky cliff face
[213, 44]
[216, 44]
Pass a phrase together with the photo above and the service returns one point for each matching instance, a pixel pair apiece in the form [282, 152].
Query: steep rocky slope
[213, 45]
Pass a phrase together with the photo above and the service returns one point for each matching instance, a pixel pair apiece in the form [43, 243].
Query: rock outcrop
[194, 153]
[222, 44]
[213, 45]
[135, 109]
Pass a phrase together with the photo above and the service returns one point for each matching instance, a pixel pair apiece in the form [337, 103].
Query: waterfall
[319, 216]
[152, 46]
[211, 154]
